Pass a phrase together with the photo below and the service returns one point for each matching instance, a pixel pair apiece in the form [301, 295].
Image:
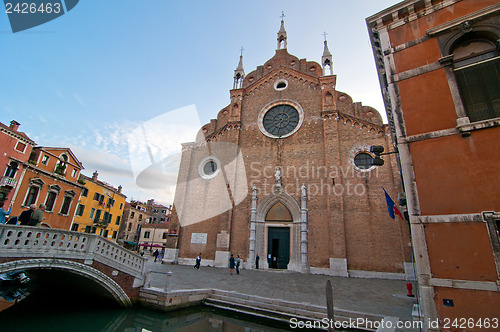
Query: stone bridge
[103, 267]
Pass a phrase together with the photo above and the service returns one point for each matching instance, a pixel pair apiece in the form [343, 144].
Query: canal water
[39, 314]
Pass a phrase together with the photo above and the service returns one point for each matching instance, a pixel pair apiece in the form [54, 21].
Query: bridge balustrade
[39, 242]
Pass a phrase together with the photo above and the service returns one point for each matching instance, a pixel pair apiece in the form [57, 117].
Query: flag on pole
[391, 206]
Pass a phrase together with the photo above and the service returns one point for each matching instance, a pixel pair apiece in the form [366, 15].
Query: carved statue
[277, 175]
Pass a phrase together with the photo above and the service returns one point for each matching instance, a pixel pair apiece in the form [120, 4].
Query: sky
[110, 78]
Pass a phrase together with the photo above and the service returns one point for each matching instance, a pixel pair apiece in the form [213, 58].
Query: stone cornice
[54, 176]
[283, 70]
[230, 125]
[345, 118]
[17, 136]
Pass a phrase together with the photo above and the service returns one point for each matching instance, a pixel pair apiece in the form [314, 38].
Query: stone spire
[282, 33]
[239, 73]
[326, 60]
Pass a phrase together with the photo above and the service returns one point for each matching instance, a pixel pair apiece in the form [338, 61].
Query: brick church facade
[284, 173]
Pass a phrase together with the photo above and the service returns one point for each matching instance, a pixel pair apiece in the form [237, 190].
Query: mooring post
[147, 279]
[329, 306]
[168, 283]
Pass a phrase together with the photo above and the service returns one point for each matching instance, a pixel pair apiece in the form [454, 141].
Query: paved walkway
[375, 296]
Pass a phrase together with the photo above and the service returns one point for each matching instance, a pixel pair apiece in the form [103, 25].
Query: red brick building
[439, 65]
[50, 177]
[284, 172]
[15, 148]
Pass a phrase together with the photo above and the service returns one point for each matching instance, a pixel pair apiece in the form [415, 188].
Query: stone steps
[282, 310]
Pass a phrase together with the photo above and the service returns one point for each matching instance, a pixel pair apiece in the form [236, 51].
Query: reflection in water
[41, 316]
[61, 302]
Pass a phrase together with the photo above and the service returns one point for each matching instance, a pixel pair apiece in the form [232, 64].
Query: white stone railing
[40, 242]
[8, 181]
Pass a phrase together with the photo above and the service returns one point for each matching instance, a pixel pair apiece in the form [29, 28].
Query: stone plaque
[198, 238]
[223, 240]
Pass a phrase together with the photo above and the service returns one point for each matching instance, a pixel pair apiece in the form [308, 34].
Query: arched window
[476, 63]
[327, 68]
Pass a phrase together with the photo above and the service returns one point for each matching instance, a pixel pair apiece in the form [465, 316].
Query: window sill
[465, 127]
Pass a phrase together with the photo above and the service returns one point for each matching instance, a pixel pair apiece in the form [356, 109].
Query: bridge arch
[74, 267]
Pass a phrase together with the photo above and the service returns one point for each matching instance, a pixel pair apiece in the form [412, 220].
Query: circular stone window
[209, 167]
[280, 119]
[363, 160]
[280, 85]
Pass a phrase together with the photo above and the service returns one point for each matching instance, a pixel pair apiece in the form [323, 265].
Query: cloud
[79, 99]
[94, 158]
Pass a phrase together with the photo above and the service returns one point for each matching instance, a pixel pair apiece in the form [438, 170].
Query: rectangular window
[93, 230]
[105, 233]
[98, 197]
[114, 235]
[147, 234]
[132, 214]
[121, 206]
[85, 192]
[74, 172]
[92, 213]
[129, 226]
[478, 85]
[140, 217]
[49, 202]
[117, 220]
[97, 216]
[111, 202]
[20, 147]
[88, 229]
[32, 195]
[74, 227]
[66, 204]
[165, 234]
[45, 160]
[80, 209]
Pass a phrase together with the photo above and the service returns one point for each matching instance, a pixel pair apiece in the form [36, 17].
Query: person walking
[25, 216]
[198, 262]
[238, 261]
[37, 216]
[155, 254]
[257, 261]
[3, 213]
[231, 264]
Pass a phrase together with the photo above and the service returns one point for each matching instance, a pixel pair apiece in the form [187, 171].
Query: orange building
[439, 70]
[16, 148]
[50, 177]
[100, 208]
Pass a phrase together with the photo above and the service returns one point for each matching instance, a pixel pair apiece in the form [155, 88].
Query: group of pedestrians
[30, 217]
[233, 263]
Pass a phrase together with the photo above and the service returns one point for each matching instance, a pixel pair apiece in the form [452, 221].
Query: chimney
[94, 176]
[119, 189]
[14, 125]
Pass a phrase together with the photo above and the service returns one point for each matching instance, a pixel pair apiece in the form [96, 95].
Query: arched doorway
[278, 238]
[278, 232]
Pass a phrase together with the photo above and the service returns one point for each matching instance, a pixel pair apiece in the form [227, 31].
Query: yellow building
[99, 209]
